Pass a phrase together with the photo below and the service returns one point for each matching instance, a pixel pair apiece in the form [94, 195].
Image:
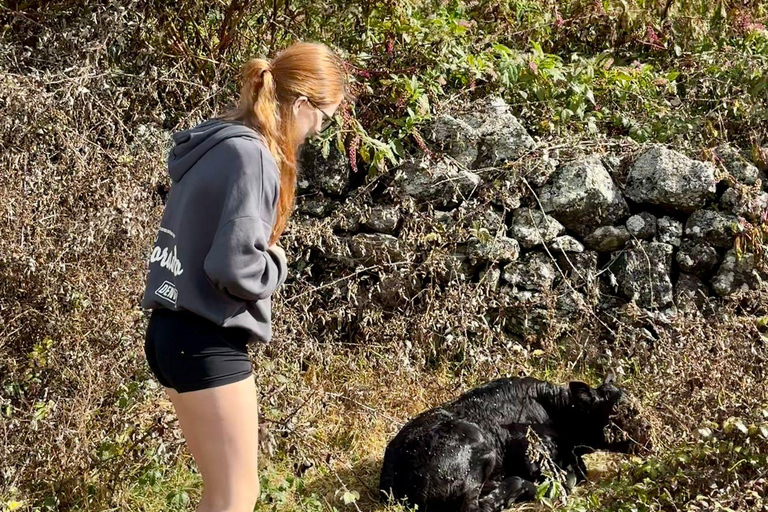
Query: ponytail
[258, 98]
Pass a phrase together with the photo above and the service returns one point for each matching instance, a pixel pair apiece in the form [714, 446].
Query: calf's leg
[485, 495]
[507, 492]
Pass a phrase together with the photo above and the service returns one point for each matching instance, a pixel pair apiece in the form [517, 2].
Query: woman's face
[310, 118]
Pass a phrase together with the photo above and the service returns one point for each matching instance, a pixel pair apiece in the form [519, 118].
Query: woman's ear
[297, 104]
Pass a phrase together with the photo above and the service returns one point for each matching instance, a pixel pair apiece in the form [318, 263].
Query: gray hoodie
[211, 252]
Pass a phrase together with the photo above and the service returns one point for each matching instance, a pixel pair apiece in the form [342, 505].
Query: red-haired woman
[216, 262]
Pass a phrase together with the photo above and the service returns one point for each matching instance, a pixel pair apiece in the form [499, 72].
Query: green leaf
[325, 150]
[590, 96]
[733, 424]
[397, 146]
[350, 497]
[542, 490]
[178, 498]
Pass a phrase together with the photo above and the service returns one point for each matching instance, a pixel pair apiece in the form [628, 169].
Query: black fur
[471, 454]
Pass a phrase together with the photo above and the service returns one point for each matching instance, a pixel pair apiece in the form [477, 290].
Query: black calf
[474, 454]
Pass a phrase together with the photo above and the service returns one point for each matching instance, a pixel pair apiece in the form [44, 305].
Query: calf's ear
[612, 394]
[581, 393]
[610, 378]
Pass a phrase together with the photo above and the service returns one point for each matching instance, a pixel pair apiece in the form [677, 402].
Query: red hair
[268, 91]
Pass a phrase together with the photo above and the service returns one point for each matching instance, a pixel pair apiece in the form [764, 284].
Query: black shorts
[187, 352]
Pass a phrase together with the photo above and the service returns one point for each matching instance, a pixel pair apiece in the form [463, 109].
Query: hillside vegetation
[388, 310]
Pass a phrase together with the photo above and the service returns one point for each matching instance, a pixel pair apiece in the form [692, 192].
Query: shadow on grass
[361, 477]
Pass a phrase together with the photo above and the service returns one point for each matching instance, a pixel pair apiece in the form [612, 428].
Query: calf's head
[605, 418]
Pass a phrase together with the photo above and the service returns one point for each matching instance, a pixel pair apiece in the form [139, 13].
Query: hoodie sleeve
[239, 260]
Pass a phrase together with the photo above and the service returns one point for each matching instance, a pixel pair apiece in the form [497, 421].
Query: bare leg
[220, 426]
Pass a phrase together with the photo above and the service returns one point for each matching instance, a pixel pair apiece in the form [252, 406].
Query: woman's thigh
[220, 425]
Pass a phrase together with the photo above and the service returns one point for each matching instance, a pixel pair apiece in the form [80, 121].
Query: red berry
[353, 144]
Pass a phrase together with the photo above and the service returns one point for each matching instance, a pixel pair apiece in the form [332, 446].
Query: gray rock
[545, 168]
[382, 219]
[500, 248]
[566, 243]
[508, 141]
[506, 194]
[448, 267]
[316, 206]
[670, 179]
[642, 225]
[376, 249]
[527, 314]
[612, 163]
[440, 182]
[670, 231]
[502, 137]
[690, 292]
[580, 268]
[336, 248]
[478, 217]
[347, 221]
[395, 290]
[642, 271]
[444, 218]
[534, 271]
[569, 304]
[739, 274]
[481, 111]
[456, 138]
[532, 227]
[491, 276]
[582, 196]
[607, 238]
[715, 228]
[316, 173]
[522, 297]
[697, 258]
[738, 166]
[745, 202]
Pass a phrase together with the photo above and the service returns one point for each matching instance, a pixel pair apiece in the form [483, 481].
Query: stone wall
[649, 225]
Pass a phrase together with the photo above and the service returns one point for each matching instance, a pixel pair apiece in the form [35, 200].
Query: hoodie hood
[190, 145]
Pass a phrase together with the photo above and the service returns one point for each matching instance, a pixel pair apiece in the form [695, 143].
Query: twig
[350, 276]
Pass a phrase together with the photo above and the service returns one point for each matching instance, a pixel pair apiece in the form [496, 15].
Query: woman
[216, 261]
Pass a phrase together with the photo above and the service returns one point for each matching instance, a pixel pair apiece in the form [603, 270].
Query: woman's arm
[241, 261]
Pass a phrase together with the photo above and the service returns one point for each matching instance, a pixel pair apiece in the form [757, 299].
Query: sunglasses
[327, 120]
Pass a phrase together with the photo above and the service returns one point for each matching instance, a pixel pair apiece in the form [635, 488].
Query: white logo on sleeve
[167, 259]
[168, 292]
